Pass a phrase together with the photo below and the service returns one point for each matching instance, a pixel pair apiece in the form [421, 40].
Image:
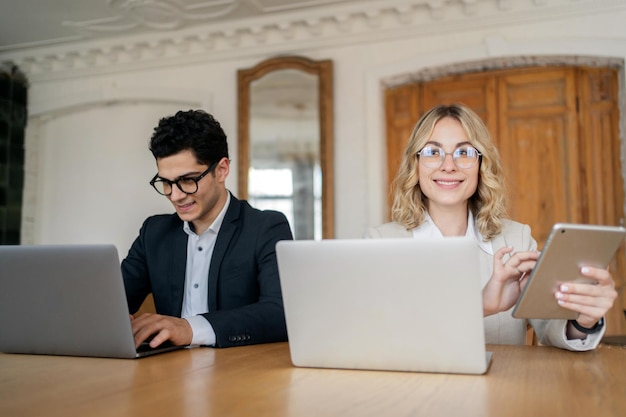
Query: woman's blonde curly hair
[487, 203]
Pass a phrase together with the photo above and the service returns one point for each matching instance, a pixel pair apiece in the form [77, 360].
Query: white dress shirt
[196, 295]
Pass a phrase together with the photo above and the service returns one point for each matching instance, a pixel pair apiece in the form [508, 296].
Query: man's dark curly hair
[194, 130]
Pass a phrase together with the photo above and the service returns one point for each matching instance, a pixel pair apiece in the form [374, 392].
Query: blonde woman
[450, 183]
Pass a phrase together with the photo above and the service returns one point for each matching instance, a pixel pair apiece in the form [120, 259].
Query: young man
[211, 266]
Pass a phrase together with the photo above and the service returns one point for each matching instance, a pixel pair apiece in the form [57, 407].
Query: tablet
[568, 248]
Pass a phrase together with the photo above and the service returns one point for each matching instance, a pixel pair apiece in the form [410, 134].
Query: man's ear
[222, 169]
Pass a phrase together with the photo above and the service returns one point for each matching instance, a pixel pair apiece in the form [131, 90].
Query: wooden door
[557, 129]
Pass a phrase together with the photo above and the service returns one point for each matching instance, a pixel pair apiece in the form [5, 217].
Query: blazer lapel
[177, 270]
[498, 243]
[224, 236]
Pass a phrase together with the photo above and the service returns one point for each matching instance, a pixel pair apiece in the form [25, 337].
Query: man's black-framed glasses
[188, 185]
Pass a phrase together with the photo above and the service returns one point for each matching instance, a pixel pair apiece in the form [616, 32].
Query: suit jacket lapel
[177, 270]
[224, 236]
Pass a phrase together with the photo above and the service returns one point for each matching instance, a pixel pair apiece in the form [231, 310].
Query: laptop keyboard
[145, 345]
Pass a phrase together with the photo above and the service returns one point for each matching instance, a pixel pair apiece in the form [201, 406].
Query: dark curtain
[13, 115]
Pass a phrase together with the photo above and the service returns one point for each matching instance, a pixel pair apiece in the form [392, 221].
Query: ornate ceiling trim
[154, 14]
[319, 27]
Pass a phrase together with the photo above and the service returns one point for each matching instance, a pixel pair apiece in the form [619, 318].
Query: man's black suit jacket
[245, 301]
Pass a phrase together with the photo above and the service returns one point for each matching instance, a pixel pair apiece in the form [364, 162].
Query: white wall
[91, 131]
[96, 171]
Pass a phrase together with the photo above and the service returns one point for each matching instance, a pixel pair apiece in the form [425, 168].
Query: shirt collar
[217, 223]
[428, 229]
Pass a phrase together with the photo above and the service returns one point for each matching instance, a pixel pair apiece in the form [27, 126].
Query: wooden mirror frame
[324, 71]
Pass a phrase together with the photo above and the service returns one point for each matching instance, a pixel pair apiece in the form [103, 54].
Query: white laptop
[65, 300]
[384, 304]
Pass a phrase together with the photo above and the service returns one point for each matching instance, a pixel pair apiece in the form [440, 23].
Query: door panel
[603, 187]
[535, 179]
[477, 92]
[537, 128]
[401, 106]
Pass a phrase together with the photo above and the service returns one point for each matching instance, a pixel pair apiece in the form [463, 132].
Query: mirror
[285, 159]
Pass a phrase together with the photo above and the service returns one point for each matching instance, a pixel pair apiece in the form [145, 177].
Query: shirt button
[195, 285]
[199, 248]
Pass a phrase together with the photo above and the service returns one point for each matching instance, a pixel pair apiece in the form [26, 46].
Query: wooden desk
[260, 381]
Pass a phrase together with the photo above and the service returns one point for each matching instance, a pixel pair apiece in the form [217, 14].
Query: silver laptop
[384, 304]
[65, 300]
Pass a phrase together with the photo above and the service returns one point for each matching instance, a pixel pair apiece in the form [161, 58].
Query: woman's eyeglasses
[464, 156]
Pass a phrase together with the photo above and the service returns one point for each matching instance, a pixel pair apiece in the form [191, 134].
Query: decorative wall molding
[292, 30]
[59, 102]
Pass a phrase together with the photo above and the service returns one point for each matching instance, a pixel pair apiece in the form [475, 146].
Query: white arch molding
[125, 119]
